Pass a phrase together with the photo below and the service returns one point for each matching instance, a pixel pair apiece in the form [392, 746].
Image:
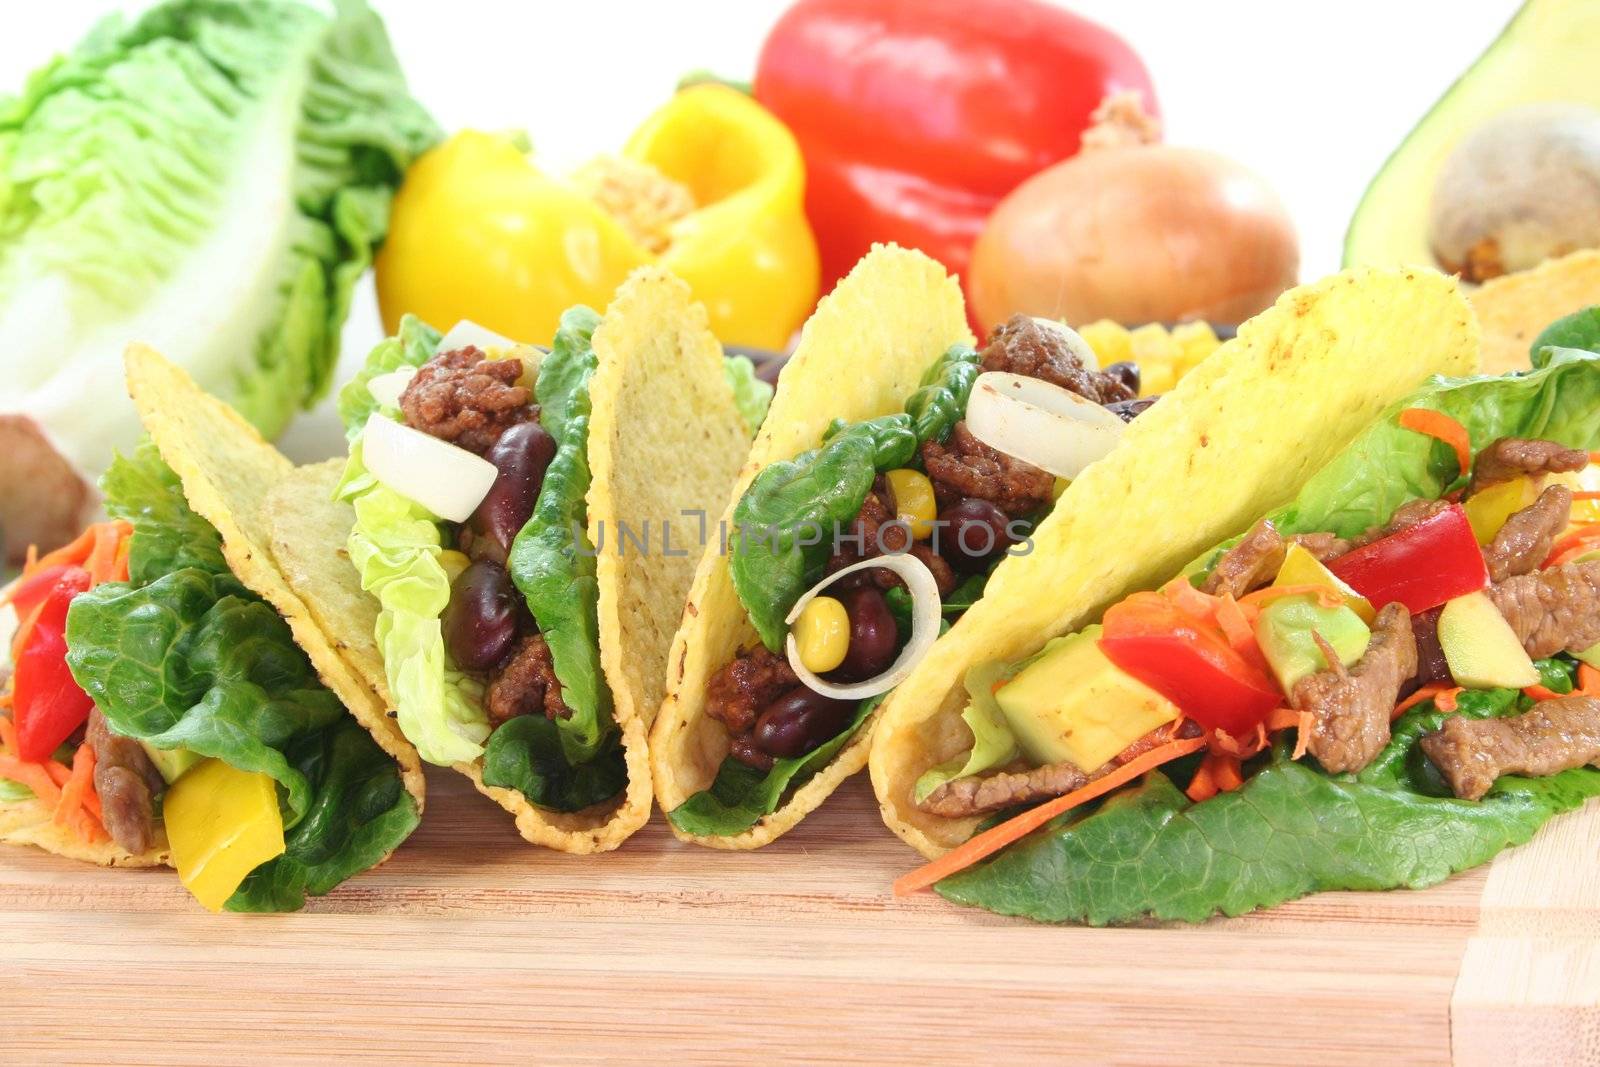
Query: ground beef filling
[526, 684]
[741, 690]
[1551, 736]
[127, 783]
[1024, 346]
[464, 398]
[963, 468]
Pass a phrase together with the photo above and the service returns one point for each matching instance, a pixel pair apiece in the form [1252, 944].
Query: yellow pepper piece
[1195, 341]
[1058, 488]
[1300, 567]
[914, 502]
[1488, 509]
[478, 232]
[822, 634]
[222, 823]
[1110, 341]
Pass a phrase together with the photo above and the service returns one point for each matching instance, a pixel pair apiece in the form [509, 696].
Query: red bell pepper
[30, 589]
[47, 703]
[916, 116]
[1188, 662]
[1422, 566]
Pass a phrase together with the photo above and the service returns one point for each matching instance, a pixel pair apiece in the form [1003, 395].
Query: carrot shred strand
[1438, 425]
[1539, 692]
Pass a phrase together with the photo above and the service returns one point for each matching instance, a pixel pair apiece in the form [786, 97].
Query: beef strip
[1324, 546]
[1510, 457]
[1020, 345]
[1552, 610]
[461, 397]
[1552, 736]
[1350, 707]
[739, 691]
[1405, 516]
[1525, 539]
[964, 467]
[1248, 565]
[127, 783]
[1431, 664]
[526, 684]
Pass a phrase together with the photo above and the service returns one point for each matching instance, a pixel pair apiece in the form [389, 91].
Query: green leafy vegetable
[11, 792]
[233, 157]
[413, 346]
[1557, 674]
[751, 395]
[993, 743]
[941, 400]
[192, 659]
[526, 755]
[741, 796]
[1580, 330]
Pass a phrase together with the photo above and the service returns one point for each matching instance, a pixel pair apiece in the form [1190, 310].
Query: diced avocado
[1590, 655]
[1489, 508]
[1300, 567]
[1284, 631]
[1073, 704]
[1480, 647]
[171, 762]
[1543, 55]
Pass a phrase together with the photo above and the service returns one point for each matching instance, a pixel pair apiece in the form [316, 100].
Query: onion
[449, 481]
[1041, 423]
[386, 388]
[466, 332]
[925, 616]
[1075, 342]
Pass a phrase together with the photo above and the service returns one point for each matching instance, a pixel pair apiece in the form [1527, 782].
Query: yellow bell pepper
[222, 823]
[478, 232]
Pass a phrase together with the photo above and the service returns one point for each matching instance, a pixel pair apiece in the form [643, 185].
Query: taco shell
[862, 351]
[1237, 436]
[1514, 308]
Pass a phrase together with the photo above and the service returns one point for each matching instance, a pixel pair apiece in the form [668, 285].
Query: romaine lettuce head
[211, 180]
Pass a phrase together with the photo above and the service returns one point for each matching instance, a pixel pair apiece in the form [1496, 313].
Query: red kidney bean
[1128, 410]
[483, 618]
[874, 638]
[972, 532]
[799, 721]
[1127, 373]
[521, 456]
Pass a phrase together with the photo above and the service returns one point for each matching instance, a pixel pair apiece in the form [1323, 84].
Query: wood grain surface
[470, 946]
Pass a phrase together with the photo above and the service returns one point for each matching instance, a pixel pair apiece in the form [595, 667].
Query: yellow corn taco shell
[862, 351]
[665, 437]
[1236, 437]
[1513, 309]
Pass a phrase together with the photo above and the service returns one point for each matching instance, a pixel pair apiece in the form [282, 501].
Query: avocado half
[1545, 53]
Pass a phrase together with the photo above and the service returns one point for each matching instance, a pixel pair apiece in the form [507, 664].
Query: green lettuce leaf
[526, 754]
[192, 659]
[740, 796]
[233, 157]
[1580, 330]
[941, 399]
[413, 346]
[993, 746]
[751, 395]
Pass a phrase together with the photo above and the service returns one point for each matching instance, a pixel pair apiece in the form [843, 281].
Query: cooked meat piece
[1405, 516]
[462, 397]
[1525, 539]
[526, 684]
[978, 795]
[1431, 664]
[1552, 736]
[1552, 610]
[1509, 457]
[965, 467]
[737, 693]
[744, 749]
[1248, 565]
[1350, 706]
[1022, 346]
[127, 783]
[862, 541]
[1324, 546]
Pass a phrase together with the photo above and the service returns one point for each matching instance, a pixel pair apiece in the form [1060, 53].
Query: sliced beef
[1248, 565]
[1350, 706]
[1020, 345]
[739, 691]
[462, 397]
[526, 684]
[1552, 736]
[127, 783]
[980, 795]
[1324, 546]
[1431, 664]
[1510, 457]
[1525, 539]
[1552, 610]
[964, 467]
[1405, 516]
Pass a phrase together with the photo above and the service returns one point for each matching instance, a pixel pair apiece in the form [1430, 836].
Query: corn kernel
[454, 563]
[914, 502]
[1195, 341]
[1151, 343]
[1059, 488]
[1109, 341]
[1156, 378]
[822, 634]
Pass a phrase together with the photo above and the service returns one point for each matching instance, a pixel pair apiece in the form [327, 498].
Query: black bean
[483, 618]
[1128, 410]
[874, 638]
[521, 456]
[1127, 373]
[799, 721]
[972, 532]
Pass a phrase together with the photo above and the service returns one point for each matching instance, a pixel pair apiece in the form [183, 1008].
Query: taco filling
[1434, 652]
[850, 559]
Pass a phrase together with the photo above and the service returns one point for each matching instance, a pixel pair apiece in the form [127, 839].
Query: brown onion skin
[1151, 233]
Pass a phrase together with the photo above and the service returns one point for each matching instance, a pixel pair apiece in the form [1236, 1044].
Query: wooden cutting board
[469, 946]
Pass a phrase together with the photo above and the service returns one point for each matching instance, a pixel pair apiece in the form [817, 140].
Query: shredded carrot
[102, 559]
[1236, 625]
[1434, 691]
[1594, 457]
[1564, 546]
[8, 733]
[1302, 738]
[1446, 701]
[1441, 426]
[1588, 680]
[25, 631]
[32, 775]
[1203, 786]
[119, 566]
[1189, 600]
[993, 840]
[59, 772]
[1327, 596]
[1587, 494]
[1579, 549]
[80, 782]
[1282, 718]
[1539, 692]
[76, 552]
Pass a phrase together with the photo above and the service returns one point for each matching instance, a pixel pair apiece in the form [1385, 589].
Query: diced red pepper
[32, 588]
[1422, 566]
[47, 703]
[1188, 662]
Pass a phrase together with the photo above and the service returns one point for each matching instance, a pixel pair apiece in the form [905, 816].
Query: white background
[1313, 96]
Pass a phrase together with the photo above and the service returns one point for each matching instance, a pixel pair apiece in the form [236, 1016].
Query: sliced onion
[925, 616]
[449, 481]
[386, 388]
[1075, 342]
[1041, 423]
[466, 332]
